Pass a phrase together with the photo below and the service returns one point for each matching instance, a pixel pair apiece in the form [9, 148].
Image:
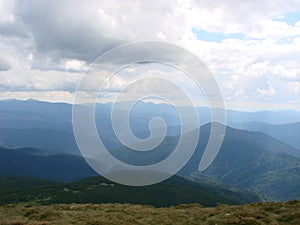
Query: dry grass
[111, 214]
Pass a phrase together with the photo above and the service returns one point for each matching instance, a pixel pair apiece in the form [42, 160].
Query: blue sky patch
[215, 36]
[290, 18]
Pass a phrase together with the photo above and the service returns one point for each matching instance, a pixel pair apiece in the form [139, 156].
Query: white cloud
[296, 87]
[23, 79]
[276, 30]
[270, 91]
[75, 65]
[6, 8]
[51, 96]
[237, 16]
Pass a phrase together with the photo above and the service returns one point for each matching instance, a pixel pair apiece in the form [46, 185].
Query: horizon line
[150, 102]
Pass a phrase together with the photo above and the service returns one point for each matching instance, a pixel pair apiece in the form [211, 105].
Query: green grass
[109, 214]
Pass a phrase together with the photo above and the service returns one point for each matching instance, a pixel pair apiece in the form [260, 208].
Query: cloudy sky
[252, 47]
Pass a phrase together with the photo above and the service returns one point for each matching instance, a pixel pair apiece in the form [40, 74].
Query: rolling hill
[55, 140]
[28, 162]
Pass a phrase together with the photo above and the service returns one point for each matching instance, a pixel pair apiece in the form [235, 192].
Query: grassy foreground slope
[109, 214]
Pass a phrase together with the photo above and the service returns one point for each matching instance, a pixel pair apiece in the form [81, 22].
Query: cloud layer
[252, 47]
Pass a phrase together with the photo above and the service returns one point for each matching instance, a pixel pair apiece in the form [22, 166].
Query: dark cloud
[4, 65]
[64, 31]
[60, 30]
[15, 28]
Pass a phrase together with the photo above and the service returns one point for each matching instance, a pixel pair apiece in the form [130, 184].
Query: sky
[251, 47]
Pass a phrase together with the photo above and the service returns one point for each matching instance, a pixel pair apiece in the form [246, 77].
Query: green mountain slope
[251, 161]
[176, 190]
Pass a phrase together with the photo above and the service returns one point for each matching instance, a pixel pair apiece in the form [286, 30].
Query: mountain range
[256, 155]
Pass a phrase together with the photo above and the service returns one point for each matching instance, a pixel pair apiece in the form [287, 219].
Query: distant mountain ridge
[53, 121]
[287, 133]
[38, 114]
